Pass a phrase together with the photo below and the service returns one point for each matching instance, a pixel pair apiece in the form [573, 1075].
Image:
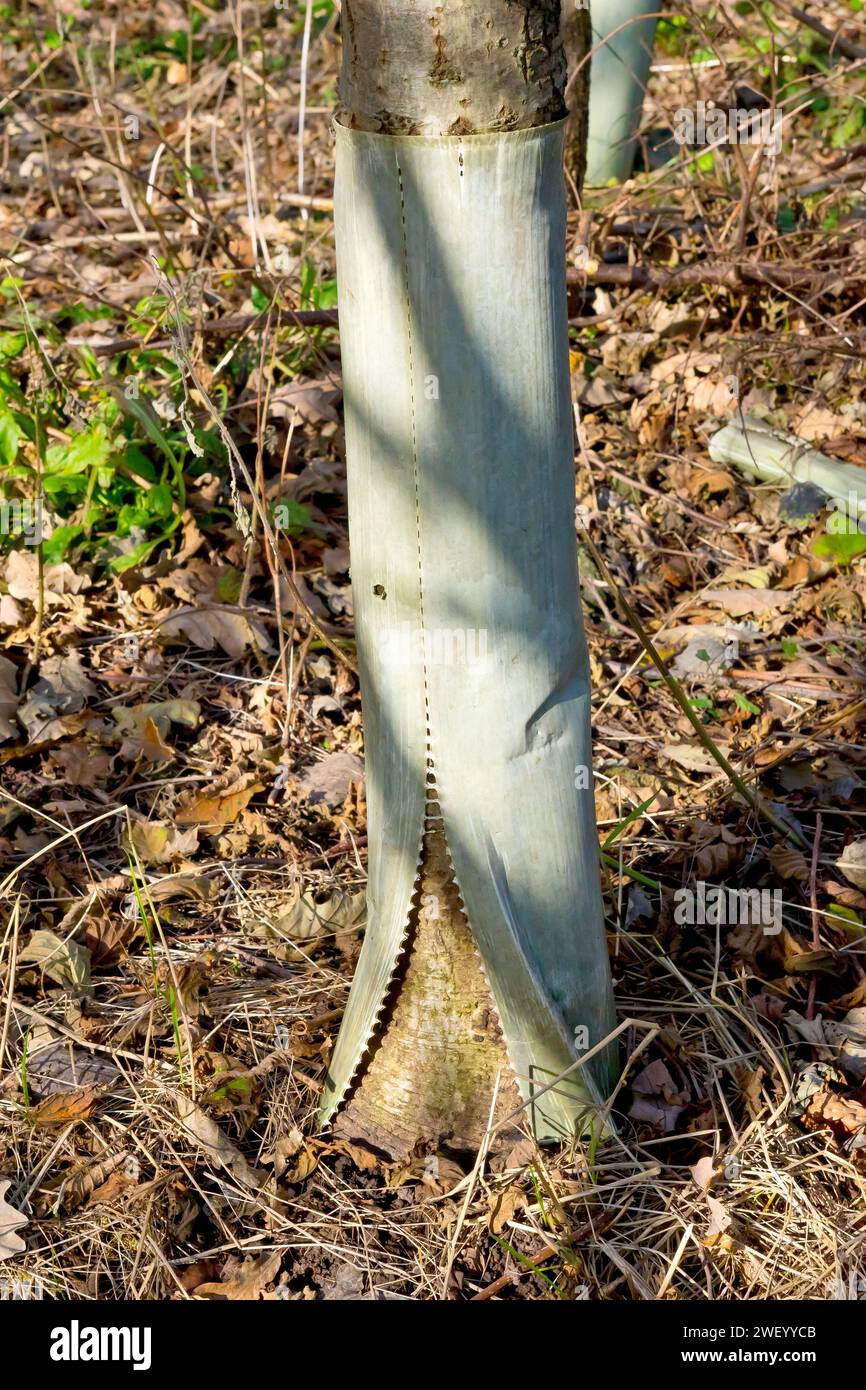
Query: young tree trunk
[425, 1045]
[413, 67]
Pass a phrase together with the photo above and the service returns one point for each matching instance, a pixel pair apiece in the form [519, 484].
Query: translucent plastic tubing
[474, 671]
[618, 78]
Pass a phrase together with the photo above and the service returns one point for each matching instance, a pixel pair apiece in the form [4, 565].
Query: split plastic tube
[474, 670]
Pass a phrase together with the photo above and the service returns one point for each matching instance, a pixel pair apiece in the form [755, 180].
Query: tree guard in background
[620, 69]
[484, 961]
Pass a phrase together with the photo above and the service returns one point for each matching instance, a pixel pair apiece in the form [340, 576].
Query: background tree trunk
[577, 43]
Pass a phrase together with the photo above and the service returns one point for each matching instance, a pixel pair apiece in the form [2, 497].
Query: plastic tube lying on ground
[775, 456]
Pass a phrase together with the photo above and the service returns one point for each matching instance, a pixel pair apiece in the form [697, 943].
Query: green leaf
[138, 463]
[10, 436]
[68, 485]
[143, 413]
[136, 557]
[289, 515]
[87, 450]
[59, 543]
[129, 516]
[10, 345]
[14, 471]
[632, 816]
[228, 585]
[846, 919]
[315, 293]
[158, 501]
[843, 549]
[261, 302]
[84, 313]
[10, 390]
[742, 703]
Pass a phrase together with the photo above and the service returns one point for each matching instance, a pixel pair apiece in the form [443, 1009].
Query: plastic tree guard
[474, 670]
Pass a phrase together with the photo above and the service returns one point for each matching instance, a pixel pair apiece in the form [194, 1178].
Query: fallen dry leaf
[10, 1222]
[62, 689]
[248, 1283]
[843, 1115]
[199, 1272]
[853, 863]
[225, 627]
[81, 765]
[789, 862]
[847, 897]
[705, 1172]
[218, 808]
[739, 602]
[691, 756]
[308, 919]
[119, 1184]
[61, 1068]
[362, 1158]
[656, 1099]
[8, 697]
[216, 1144]
[720, 1220]
[329, 779]
[712, 861]
[713, 482]
[285, 1149]
[849, 1036]
[148, 743]
[65, 962]
[302, 1165]
[87, 1180]
[11, 613]
[134, 719]
[22, 578]
[503, 1207]
[66, 1108]
[750, 1083]
[197, 887]
[157, 842]
[303, 399]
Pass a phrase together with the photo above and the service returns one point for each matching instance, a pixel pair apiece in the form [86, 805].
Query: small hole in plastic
[379, 590]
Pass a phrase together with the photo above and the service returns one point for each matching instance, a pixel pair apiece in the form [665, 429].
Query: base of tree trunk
[432, 1073]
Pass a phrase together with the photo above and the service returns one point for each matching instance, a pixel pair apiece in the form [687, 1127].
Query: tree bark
[439, 1055]
[414, 67]
[576, 43]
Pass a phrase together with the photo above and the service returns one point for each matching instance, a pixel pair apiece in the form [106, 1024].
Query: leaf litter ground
[182, 819]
